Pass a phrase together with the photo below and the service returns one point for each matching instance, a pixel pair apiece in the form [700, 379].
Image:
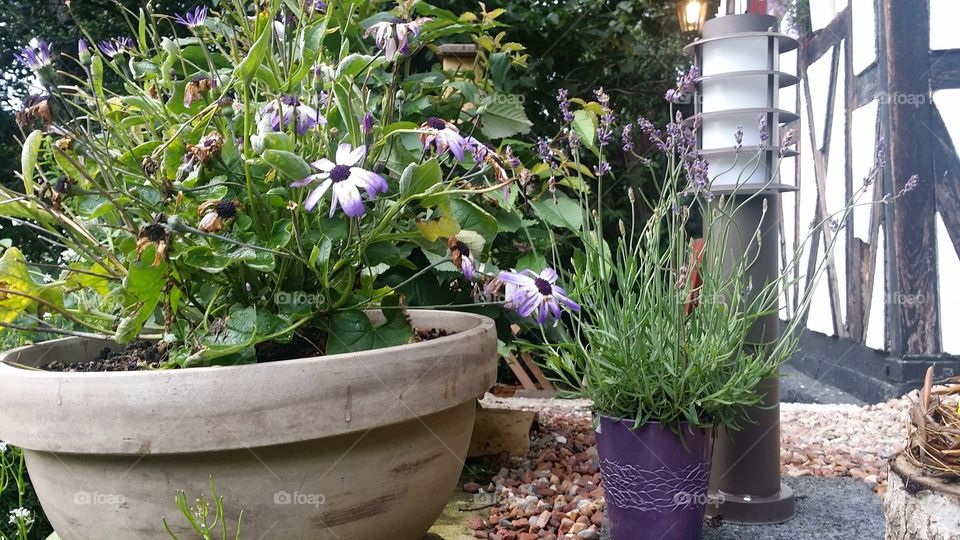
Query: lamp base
[747, 509]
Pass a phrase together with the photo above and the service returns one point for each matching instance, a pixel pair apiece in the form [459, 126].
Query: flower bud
[83, 52]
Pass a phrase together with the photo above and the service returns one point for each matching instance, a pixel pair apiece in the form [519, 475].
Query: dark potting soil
[144, 355]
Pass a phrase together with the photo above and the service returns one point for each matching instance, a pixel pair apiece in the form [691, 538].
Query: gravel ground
[832, 454]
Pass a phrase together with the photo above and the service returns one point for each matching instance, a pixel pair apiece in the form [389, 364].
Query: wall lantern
[691, 14]
[740, 82]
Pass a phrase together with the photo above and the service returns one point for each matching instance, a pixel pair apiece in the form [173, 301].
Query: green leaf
[473, 218]
[273, 140]
[247, 67]
[438, 228]
[143, 285]
[352, 331]
[417, 179]
[503, 116]
[236, 332]
[559, 211]
[28, 159]
[289, 164]
[354, 64]
[585, 124]
[533, 261]
[15, 278]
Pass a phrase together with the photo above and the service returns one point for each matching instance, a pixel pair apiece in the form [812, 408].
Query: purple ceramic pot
[655, 486]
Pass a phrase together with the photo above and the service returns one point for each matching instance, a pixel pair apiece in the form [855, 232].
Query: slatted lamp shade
[740, 81]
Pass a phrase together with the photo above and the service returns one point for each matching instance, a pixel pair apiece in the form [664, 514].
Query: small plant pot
[655, 485]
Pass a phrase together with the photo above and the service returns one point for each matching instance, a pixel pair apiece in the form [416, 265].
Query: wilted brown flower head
[155, 233]
[209, 146]
[35, 108]
[215, 213]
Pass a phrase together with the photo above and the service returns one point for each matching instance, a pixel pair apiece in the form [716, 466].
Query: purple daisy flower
[115, 47]
[346, 178]
[35, 59]
[194, 18]
[443, 136]
[279, 114]
[393, 36]
[536, 294]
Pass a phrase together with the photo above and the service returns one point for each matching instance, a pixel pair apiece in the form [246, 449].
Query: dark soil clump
[426, 334]
[143, 355]
[135, 356]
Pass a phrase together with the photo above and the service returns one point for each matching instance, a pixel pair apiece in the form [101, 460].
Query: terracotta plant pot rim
[236, 407]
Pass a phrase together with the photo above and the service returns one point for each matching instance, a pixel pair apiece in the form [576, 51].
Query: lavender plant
[262, 172]
[660, 330]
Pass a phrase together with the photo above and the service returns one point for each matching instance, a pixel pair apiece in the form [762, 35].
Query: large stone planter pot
[654, 485]
[361, 446]
[918, 506]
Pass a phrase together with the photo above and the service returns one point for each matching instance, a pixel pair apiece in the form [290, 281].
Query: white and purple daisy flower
[36, 59]
[346, 178]
[393, 36]
[279, 114]
[443, 136]
[536, 294]
[116, 46]
[194, 18]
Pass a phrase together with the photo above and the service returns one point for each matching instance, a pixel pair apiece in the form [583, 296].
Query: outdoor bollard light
[737, 92]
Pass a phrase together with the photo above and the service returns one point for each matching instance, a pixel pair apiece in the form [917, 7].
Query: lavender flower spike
[346, 178]
[194, 18]
[536, 294]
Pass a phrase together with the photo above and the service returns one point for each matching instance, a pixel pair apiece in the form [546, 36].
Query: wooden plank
[893, 336]
[913, 228]
[536, 371]
[944, 69]
[820, 161]
[517, 370]
[854, 257]
[867, 86]
[821, 41]
[947, 171]
[868, 268]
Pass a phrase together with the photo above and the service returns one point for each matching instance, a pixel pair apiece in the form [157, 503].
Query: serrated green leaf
[504, 117]
[473, 218]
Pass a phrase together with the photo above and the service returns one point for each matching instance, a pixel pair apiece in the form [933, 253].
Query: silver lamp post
[740, 79]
